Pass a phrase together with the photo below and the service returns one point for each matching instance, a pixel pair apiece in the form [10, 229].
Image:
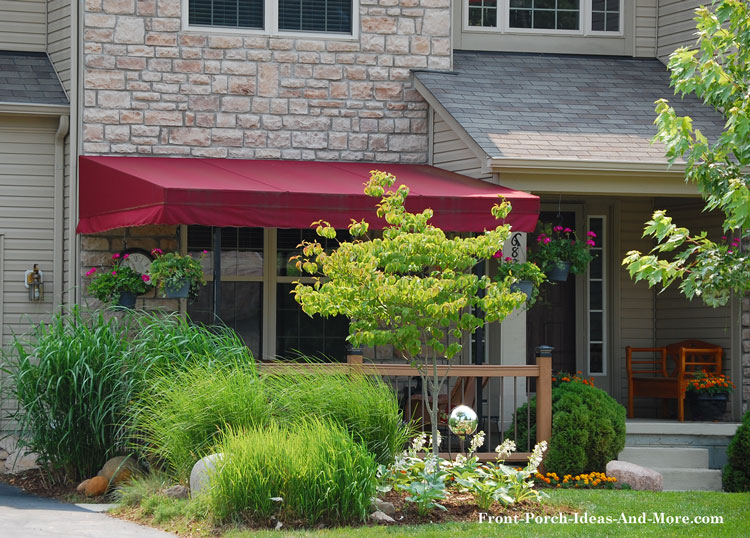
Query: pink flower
[591, 234]
[567, 230]
[498, 254]
[736, 243]
[508, 259]
[572, 243]
[730, 252]
[115, 256]
[547, 240]
[590, 243]
[157, 252]
[557, 229]
[723, 237]
[125, 257]
[114, 273]
[145, 278]
[205, 252]
[91, 271]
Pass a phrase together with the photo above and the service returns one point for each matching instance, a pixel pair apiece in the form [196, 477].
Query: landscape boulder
[635, 476]
[95, 486]
[20, 460]
[119, 469]
[177, 492]
[200, 475]
[381, 517]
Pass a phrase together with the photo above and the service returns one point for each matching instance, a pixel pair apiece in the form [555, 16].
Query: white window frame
[601, 250]
[271, 25]
[503, 22]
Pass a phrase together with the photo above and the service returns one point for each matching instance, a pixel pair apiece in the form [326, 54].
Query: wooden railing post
[544, 398]
[354, 358]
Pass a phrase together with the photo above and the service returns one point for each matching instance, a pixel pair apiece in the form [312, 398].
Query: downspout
[74, 295]
[58, 249]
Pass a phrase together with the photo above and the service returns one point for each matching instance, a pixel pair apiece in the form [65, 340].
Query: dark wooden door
[551, 321]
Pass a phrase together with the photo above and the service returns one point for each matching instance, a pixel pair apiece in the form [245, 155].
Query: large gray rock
[635, 476]
[384, 506]
[177, 492]
[381, 518]
[20, 460]
[201, 473]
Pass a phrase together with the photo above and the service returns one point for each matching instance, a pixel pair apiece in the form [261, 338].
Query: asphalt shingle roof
[525, 106]
[28, 77]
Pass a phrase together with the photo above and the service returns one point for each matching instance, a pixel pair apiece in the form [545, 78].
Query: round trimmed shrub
[736, 476]
[588, 429]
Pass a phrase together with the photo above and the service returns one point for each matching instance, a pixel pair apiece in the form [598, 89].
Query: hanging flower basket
[558, 272]
[524, 286]
[127, 300]
[177, 291]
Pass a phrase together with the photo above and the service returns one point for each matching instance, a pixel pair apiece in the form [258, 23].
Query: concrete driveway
[26, 516]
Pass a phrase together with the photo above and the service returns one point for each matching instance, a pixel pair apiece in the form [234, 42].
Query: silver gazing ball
[463, 420]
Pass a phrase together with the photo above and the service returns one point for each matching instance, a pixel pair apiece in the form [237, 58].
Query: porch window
[544, 14]
[483, 13]
[227, 13]
[596, 284]
[255, 299]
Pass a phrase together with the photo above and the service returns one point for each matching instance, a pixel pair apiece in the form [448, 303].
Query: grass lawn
[734, 508]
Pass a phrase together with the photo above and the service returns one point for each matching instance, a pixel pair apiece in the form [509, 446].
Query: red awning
[135, 191]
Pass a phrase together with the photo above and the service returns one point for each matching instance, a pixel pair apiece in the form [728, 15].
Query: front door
[552, 320]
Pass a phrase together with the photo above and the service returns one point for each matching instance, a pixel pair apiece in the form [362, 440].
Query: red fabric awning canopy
[135, 191]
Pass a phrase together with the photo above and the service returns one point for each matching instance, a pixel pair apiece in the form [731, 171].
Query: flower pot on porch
[707, 407]
[559, 272]
[524, 286]
[127, 299]
[179, 291]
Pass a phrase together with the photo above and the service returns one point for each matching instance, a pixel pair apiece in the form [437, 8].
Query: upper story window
[565, 16]
[273, 16]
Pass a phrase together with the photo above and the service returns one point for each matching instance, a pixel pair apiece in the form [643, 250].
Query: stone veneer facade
[745, 355]
[151, 88]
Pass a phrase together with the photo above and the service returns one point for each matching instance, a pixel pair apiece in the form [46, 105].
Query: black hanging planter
[559, 272]
[524, 286]
[179, 291]
[127, 300]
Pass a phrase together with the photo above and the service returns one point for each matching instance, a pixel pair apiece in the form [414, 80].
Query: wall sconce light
[34, 281]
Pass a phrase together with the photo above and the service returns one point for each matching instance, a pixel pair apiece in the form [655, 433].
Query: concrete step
[651, 457]
[677, 479]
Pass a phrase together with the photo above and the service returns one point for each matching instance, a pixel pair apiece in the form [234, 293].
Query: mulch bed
[35, 482]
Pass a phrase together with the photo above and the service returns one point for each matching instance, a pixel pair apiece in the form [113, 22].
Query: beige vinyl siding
[26, 217]
[677, 318]
[68, 296]
[636, 301]
[451, 153]
[645, 28]
[58, 39]
[23, 25]
[676, 25]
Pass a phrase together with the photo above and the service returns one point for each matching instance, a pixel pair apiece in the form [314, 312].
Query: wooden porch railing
[541, 372]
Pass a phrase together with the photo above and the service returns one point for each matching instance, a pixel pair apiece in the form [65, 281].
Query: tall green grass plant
[316, 468]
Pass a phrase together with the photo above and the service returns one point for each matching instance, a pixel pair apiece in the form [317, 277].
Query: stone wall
[97, 251]
[152, 89]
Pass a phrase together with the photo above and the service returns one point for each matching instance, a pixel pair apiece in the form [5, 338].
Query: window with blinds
[227, 13]
[328, 16]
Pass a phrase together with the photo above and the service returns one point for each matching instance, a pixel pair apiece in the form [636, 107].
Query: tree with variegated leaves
[718, 71]
[412, 287]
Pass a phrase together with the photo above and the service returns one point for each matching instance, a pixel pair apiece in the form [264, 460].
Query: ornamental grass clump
[181, 417]
[73, 382]
[312, 471]
[365, 405]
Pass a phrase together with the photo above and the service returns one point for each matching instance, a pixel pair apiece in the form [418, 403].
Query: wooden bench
[650, 378]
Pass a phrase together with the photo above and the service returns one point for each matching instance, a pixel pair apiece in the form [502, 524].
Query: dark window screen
[226, 13]
[316, 15]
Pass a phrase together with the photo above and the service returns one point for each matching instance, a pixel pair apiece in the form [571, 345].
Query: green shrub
[736, 476]
[316, 467]
[73, 382]
[365, 405]
[588, 429]
[179, 419]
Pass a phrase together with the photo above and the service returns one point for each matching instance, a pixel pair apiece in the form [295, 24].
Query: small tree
[718, 71]
[412, 288]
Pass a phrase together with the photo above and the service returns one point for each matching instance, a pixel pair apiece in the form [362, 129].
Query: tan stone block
[238, 68]
[167, 52]
[328, 72]
[439, 62]
[168, 8]
[117, 133]
[255, 139]
[309, 45]
[261, 105]
[146, 96]
[410, 60]
[286, 56]
[99, 20]
[130, 30]
[379, 25]
[268, 80]
[397, 44]
[195, 53]
[224, 42]
[226, 137]
[235, 104]
[145, 7]
[93, 133]
[154, 117]
[441, 46]
[102, 35]
[92, 242]
[311, 140]
[248, 121]
[386, 91]
[165, 25]
[420, 45]
[219, 84]
[436, 22]
[93, 5]
[280, 44]
[188, 66]
[144, 130]
[279, 106]
[109, 80]
[119, 7]
[100, 61]
[113, 99]
[272, 123]
[205, 120]
[190, 136]
[191, 40]
[339, 90]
